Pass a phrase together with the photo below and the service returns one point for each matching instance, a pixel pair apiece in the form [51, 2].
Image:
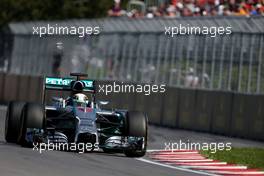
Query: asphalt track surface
[19, 161]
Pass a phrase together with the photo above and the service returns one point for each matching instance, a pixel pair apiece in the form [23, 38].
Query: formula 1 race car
[78, 118]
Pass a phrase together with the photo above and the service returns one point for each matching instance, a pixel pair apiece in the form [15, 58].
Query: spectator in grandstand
[149, 13]
[206, 80]
[135, 14]
[226, 11]
[171, 11]
[260, 8]
[191, 80]
[161, 10]
[116, 10]
[174, 8]
[186, 12]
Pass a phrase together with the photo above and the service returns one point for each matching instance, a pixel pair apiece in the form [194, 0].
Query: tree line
[30, 10]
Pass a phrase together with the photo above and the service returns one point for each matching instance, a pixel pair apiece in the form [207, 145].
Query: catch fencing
[138, 50]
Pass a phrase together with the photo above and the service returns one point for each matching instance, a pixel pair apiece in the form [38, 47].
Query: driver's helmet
[80, 99]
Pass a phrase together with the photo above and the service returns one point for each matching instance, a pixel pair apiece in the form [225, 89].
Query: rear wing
[69, 84]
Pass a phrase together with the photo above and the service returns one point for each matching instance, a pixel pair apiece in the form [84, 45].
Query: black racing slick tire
[136, 125]
[33, 116]
[13, 121]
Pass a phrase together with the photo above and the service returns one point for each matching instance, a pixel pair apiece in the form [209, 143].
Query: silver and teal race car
[76, 119]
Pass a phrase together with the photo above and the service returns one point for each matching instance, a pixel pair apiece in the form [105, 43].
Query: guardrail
[20, 88]
[220, 112]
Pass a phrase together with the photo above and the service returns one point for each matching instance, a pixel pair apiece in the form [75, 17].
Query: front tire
[33, 116]
[13, 121]
[136, 125]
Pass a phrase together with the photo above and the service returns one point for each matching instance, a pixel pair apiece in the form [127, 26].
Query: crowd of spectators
[176, 8]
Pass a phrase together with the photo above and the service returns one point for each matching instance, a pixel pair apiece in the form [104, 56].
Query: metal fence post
[250, 64]
[260, 57]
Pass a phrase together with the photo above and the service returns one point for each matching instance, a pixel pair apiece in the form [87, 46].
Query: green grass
[251, 157]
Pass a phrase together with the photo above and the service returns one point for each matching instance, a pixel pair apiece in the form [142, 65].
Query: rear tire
[33, 116]
[136, 125]
[13, 121]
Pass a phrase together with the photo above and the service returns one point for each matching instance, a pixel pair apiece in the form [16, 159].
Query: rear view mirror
[57, 99]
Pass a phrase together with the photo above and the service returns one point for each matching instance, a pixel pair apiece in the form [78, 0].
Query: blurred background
[132, 45]
[214, 85]
[217, 82]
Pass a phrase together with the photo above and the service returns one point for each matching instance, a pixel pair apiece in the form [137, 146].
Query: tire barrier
[23, 87]
[128, 97]
[222, 113]
[240, 116]
[225, 113]
[36, 87]
[187, 108]
[140, 103]
[2, 84]
[11, 90]
[203, 110]
[20, 88]
[256, 117]
[248, 116]
[154, 107]
[171, 104]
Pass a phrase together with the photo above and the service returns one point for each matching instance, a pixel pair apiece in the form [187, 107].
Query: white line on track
[199, 164]
[185, 160]
[178, 158]
[176, 153]
[174, 167]
[155, 150]
[216, 167]
[169, 151]
[196, 164]
[238, 172]
[175, 157]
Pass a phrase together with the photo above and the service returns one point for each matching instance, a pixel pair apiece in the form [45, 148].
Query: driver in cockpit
[78, 100]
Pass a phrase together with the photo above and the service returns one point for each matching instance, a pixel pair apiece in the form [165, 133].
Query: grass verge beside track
[251, 157]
